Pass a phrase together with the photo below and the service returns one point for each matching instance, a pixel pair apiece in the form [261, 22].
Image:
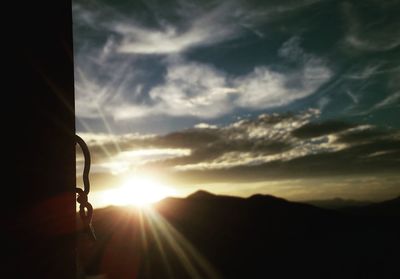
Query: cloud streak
[114, 80]
[208, 27]
[266, 148]
[264, 88]
[382, 34]
[203, 91]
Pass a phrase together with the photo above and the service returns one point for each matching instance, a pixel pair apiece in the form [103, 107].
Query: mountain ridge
[252, 237]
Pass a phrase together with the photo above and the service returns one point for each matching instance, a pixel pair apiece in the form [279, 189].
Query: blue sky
[234, 96]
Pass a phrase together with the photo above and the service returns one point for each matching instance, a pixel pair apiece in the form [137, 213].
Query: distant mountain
[201, 194]
[386, 208]
[212, 236]
[338, 203]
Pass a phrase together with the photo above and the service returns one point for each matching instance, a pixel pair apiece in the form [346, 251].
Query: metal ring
[82, 199]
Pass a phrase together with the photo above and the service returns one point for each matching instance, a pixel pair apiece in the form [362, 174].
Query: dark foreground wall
[38, 128]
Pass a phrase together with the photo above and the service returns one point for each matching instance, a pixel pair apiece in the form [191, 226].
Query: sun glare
[138, 191]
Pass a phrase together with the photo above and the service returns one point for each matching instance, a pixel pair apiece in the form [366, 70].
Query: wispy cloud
[379, 35]
[264, 88]
[200, 90]
[114, 80]
[193, 89]
[271, 147]
[268, 139]
[203, 91]
[389, 101]
[210, 26]
[194, 25]
[203, 125]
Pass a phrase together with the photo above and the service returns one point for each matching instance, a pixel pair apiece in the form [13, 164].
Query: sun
[139, 191]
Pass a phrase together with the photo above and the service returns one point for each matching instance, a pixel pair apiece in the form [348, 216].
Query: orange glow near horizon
[138, 191]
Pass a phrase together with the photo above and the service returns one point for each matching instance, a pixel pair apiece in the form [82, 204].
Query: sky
[298, 99]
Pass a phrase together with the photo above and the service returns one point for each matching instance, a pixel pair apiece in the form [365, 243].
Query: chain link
[85, 208]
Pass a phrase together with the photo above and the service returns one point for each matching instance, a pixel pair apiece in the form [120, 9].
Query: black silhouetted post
[39, 128]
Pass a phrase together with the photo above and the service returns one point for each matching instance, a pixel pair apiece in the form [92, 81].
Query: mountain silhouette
[212, 236]
[201, 194]
[382, 209]
[338, 203]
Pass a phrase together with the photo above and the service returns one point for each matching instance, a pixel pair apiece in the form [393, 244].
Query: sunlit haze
[138, 191]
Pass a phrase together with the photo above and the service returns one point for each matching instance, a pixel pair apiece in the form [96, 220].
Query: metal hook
[86, 168]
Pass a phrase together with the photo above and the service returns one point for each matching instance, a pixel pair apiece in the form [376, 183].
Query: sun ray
[160, 246]
[194, 263]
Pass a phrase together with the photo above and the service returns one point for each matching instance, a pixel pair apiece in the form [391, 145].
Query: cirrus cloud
[271, 147]
[119, 78]
[203, 91]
